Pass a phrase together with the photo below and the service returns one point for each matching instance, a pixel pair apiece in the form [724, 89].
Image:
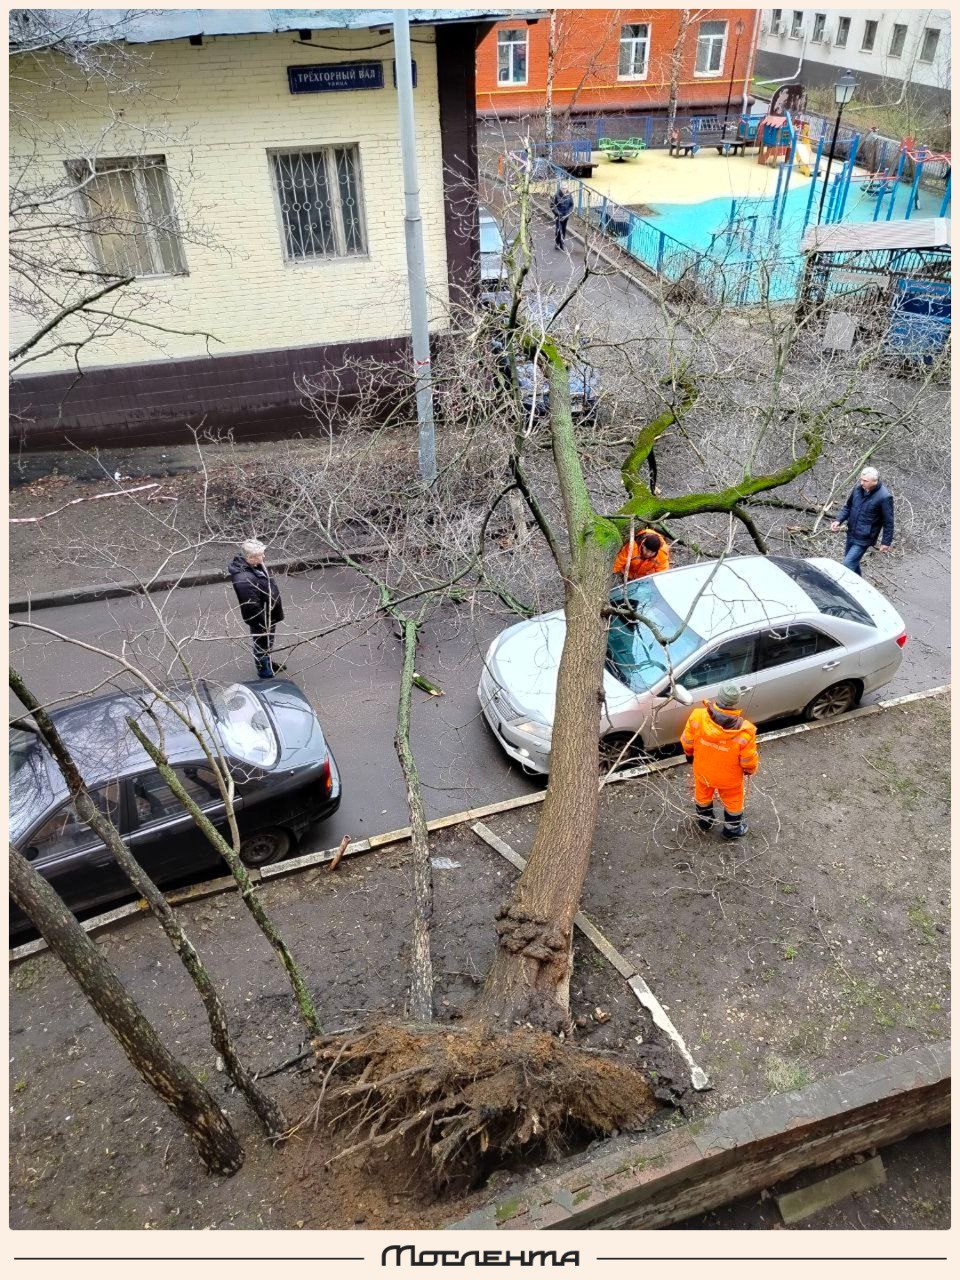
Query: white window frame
[900, 27]
[929, 31]
[341, 253]
[634, 43]
[711, 39]
[867, 24]
[796, 24]
[137, 166]
[504, 41]
[841, 42]
[819, 28]
[776, 18]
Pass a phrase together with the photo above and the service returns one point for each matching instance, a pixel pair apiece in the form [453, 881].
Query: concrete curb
[202, 578]
[651, 1182]
[320, 856]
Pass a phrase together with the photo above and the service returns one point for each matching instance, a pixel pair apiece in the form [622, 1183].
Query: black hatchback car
[284, 773]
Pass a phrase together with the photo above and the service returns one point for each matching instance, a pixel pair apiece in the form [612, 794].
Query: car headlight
[541, 733]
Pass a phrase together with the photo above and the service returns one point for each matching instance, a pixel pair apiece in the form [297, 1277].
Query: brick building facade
[617, 60]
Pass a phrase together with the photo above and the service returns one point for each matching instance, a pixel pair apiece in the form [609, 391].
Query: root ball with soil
[460, 1099]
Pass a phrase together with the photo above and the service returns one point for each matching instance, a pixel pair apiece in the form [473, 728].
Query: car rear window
[828, 596]
[634, 654]
[243, 725]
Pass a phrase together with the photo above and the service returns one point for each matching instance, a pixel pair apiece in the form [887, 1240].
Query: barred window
[634, 51]
[128, 215]
[321, 205]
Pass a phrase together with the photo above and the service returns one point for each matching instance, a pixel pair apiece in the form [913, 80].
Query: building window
[869, 36]
[321, 204]
[843, 32]
[128, 215]
[819, 22]
[634, 51]
[711, 42]
[512, 56]
[776, 18]
[897, 39]
[796, 26]
[931, 38]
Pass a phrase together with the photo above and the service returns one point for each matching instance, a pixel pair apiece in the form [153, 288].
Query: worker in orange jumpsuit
[641, 556]
[723, 748]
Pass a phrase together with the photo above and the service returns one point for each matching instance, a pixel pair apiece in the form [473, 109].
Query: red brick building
[617, 59]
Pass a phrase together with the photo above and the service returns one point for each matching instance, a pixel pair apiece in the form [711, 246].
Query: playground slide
[804, 158]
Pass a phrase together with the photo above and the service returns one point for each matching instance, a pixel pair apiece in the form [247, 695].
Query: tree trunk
[529, 979]
[551, 62]
[248, 893]
[215, 1140]
[265, 1108]
[421, 982]
[676, 67]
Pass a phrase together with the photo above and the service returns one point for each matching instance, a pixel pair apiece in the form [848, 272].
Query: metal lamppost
[843, 91]
[738, 31]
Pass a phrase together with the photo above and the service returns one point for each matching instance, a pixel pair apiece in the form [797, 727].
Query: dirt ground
[819, 943]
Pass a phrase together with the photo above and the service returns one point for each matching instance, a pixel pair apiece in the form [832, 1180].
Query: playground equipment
[887, 183]
[775, 140]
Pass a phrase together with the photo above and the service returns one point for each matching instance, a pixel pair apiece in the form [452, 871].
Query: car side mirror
[682, 695]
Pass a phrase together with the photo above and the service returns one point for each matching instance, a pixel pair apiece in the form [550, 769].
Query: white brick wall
[220, 108]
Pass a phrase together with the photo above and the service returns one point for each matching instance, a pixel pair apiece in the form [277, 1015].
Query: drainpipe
[413, 229]
[751, 59]
[788, 79]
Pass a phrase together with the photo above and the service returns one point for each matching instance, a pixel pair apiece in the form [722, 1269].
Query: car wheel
[615, 744]
[263, 847]
[835, 701]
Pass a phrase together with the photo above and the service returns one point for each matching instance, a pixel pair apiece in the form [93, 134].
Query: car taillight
[326, 776]
[902, 640]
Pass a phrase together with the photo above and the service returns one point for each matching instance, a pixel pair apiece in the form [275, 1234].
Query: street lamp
[738, 31]
[843, 91]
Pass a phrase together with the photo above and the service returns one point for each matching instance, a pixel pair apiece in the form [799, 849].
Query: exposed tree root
[458, 1097]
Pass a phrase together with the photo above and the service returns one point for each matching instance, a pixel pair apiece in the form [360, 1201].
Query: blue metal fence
[742, 267]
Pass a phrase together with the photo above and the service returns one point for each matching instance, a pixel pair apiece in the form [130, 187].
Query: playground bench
[678, 148]
[731, 146]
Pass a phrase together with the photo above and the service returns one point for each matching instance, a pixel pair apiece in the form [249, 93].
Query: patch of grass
[789, 951]
[783, 1077]
[29, 974]
[789, 888]
[901, 783]
[581, 1196]
[20, 1086]
[922, 921]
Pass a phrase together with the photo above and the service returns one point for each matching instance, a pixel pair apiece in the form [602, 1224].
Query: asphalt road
[351, 678]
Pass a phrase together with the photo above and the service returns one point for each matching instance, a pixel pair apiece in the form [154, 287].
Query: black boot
[705, 818]
[734, 826]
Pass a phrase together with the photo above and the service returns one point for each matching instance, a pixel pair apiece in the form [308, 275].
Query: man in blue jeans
[868, 515]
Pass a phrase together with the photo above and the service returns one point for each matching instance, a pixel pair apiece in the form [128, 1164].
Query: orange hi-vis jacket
[640, 568]
[723, 754]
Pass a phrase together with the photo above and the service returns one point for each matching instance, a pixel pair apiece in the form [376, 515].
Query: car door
[73, 859]
[795, 662]
[164, 838]
[729, 661]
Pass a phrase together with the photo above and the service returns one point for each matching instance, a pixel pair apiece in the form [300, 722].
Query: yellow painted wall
[222, 107]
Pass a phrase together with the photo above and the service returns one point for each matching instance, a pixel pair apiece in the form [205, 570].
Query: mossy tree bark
[208, 1127]
[264, 1107]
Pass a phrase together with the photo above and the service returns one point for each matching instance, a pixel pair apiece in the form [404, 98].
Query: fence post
[579, 198]
[895, 185]
[917, 175]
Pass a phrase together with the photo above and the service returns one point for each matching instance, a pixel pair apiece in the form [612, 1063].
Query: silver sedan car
[798, 636]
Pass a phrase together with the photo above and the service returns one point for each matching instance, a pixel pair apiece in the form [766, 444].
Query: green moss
[507, 1210]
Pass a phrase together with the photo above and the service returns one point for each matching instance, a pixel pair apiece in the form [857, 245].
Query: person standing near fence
[561, 206]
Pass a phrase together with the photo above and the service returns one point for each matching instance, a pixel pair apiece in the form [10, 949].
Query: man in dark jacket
[868, 515]
[561, 206]
[260, 604]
